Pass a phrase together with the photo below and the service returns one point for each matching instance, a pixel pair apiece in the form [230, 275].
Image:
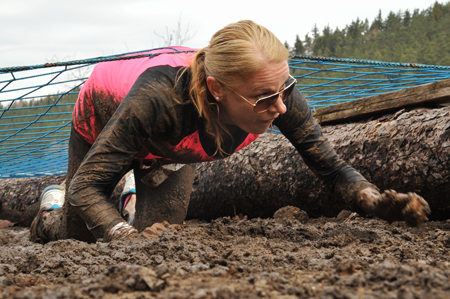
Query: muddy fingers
[416, 209]
[392, 206]
[409, 207]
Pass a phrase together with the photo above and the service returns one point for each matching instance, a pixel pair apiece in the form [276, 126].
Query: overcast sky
[40, 31]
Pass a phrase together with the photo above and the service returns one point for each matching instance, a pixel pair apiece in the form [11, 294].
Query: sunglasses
[264, 103]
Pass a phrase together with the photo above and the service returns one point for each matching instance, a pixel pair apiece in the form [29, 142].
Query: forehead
[272, 75]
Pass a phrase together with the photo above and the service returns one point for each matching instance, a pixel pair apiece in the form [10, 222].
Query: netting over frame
[36, 102]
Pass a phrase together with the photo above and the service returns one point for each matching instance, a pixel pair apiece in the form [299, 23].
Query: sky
[40, 31]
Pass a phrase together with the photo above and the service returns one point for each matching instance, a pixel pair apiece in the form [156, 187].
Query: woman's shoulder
[164, 89]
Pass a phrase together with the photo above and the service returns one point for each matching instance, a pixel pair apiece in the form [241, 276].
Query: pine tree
[406, 18]
[299, 49]
[308, 45]
[315, 31]
[286, 45]
[437, 12]
[377, 24]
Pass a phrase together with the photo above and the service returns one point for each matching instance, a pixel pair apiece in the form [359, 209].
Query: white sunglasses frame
[270, 96]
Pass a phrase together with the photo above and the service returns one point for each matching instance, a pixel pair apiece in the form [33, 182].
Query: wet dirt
[289, 256]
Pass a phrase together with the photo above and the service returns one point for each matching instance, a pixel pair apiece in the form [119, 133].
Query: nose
[278, 106]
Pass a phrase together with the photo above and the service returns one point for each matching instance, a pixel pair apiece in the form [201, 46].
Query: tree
[286, 45]
[355, 29]
[437, 12]
[315, 31]
[392, 21]
[177, 37]
[308, 45]
[299, 49]
[377, 24]
[406, 18]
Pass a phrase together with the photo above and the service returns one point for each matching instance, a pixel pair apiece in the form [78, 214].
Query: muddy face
[234, 110]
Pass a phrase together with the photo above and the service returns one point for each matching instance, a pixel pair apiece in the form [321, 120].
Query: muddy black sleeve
[144, 114]
[302, 130]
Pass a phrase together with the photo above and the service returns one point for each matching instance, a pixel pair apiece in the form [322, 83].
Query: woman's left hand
[392, 206]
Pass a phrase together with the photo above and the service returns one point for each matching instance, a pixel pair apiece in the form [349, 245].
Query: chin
[258, 130]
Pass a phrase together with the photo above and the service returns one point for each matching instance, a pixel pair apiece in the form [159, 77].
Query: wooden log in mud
[408, 151]
[19, 197]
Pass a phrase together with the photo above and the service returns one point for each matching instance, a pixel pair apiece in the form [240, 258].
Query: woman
[187, 108]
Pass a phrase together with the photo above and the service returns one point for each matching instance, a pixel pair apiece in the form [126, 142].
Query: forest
[403, 36]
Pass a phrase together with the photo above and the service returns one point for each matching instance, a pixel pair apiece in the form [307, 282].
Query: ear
[215, 88]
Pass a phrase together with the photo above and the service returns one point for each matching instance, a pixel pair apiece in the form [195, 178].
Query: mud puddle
[237, 258]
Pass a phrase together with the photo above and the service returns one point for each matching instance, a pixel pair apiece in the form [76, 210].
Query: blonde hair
[234, 53]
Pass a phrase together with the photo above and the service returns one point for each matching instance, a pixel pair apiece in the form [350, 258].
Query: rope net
[36, 102]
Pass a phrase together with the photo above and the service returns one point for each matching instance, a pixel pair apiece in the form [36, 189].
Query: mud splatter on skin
[231, 258]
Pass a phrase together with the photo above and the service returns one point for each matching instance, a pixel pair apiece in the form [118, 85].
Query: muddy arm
[300, 127]
[302, 130]
[142, 114]
[107, 161]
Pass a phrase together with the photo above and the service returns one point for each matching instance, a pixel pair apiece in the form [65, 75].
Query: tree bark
[408, 151]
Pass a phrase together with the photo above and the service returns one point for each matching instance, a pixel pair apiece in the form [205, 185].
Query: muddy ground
[238, 258]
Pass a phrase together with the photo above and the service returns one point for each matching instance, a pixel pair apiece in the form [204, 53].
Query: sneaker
[52, 197]
[129, 189]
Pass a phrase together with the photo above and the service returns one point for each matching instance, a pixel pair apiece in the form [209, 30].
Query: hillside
[403, 36]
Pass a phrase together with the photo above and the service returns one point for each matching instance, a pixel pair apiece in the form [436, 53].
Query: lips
[269, 120]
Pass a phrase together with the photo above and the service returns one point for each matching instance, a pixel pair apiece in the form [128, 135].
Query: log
[19, 197]
[424, 95]
[407, 151]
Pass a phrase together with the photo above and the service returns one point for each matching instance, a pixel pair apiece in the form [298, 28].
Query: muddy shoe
[128, 199]
[51, 198]
[128, 210]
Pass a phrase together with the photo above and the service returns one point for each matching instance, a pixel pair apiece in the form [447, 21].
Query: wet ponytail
[206, 105]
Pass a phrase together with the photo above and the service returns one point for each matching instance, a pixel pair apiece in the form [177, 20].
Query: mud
[291, 256]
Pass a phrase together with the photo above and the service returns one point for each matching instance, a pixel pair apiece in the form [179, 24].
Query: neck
[232, 129]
